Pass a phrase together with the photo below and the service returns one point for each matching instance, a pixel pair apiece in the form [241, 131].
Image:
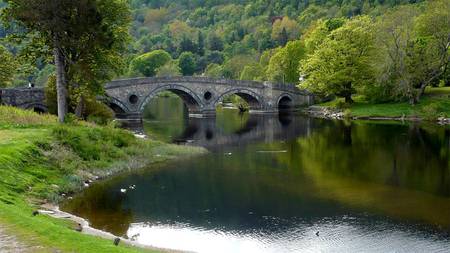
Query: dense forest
[386, 49]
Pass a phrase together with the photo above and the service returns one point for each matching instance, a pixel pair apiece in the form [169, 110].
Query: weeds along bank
[40, 161]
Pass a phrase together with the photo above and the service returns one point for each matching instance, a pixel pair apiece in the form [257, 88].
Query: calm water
[271, 183]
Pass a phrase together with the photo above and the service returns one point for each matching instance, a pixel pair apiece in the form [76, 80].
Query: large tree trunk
[79, 110]
[61, 88]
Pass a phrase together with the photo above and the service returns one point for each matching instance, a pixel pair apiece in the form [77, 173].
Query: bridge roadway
[128, 97]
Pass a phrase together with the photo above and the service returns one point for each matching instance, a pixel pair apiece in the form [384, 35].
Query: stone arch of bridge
[117, 106]
[190, 98]
[36, 107]
[285, 102]
[253, 100]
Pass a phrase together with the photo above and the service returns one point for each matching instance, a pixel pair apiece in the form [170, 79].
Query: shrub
[430, 112]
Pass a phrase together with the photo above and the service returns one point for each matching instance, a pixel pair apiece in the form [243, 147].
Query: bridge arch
[36, 107]
[285, 102]
[190, 98]
[117, 106]
[254, 101]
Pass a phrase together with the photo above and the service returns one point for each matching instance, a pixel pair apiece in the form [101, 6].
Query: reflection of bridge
[258, 128]
[202, 95]
[129, 97]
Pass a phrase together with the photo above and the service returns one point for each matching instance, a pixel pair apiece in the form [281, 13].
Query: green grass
[40, 160]
[436, 101]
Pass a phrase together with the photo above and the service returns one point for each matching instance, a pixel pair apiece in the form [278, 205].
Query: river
[282, 184]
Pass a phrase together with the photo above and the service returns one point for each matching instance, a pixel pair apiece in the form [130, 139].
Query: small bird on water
[317, 233]
[117, 241]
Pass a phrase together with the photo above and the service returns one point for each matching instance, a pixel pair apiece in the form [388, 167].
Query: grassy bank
[41, 160]
[435, 103]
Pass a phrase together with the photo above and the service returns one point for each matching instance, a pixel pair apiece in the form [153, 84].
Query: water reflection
[271, 183]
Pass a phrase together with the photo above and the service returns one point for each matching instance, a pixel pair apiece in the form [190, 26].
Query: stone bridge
[25, 98]
[129, 97]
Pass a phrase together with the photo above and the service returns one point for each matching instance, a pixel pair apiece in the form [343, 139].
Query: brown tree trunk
[61, 88]
[79, 110]
[348, 99]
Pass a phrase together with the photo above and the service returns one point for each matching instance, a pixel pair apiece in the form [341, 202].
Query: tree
[214, 70]
[187, 45]
[187, 63]
[200, 44]
[284, 64]
[179, 29]
[169, 69]
[85, 38]
[147, 64]
[283, 38]
[318, 31]
[7, 67]
[253, 72]
[292, 29]
[155, 18]
[215, 57]
[341, 64]
[413, 49]
[433, 31]
[215, 43]
[234, 66]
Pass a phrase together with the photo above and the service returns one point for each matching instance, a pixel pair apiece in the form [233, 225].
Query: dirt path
[10, 244]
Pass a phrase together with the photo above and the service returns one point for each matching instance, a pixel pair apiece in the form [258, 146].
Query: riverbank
[44, 162]
[434, 106]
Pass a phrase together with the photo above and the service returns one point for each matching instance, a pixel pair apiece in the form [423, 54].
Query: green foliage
[50, 95]
[284, 30]
[430, 111]
[148, 64]
[15, 117]
[187, 63]
[254, 72]
[94, 143]
[284, 64]
[169, 69]
[86, 48]
[413, 50]
[93, 110]
[7, 67]
[341, 64]
[41, 160]
[214, 70]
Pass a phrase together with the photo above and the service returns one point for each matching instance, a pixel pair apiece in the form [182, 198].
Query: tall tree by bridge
[83, 38]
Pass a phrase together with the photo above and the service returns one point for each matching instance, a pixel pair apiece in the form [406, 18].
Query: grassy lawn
[40, 160]
[438, 99]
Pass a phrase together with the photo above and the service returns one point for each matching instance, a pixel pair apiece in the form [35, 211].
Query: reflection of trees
[382, 168]
[165, 118]
[103, 208]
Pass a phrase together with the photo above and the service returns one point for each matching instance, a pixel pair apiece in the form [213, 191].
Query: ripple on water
[336, 235]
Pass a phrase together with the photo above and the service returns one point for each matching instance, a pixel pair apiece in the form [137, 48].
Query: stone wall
[25, 98]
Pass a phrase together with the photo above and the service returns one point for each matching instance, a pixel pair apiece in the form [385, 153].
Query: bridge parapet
[203, 94]
[204, 80]
[25, 98]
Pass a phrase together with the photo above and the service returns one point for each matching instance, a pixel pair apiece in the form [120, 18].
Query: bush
[98, 112]
[94, 143]
[430, 112]
[148, 63]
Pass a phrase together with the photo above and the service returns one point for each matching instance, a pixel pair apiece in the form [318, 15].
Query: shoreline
[325, 112]
[55, 212]
[45, 163]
